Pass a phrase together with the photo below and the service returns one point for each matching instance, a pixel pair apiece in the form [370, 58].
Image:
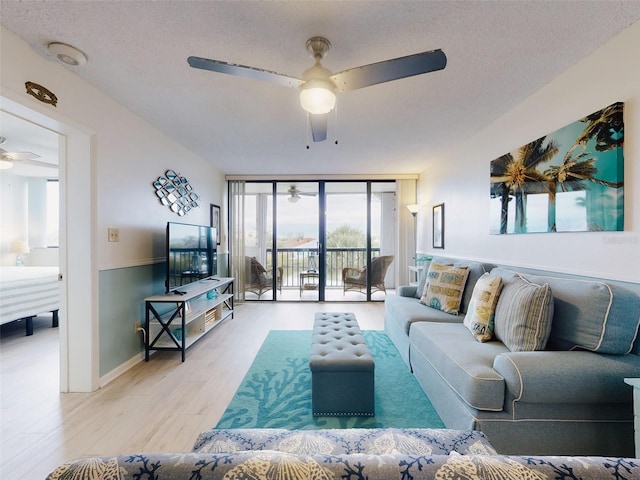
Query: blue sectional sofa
[568, 398]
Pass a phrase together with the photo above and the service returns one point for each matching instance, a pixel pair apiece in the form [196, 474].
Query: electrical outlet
[114, 235]
[136, 327]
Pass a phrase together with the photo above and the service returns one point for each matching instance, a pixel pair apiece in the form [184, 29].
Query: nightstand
[635, 383]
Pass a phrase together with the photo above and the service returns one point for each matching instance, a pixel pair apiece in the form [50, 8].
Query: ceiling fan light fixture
[318, 86]
[294, 198]
[317, 100]
[5, 164]
[317, 94]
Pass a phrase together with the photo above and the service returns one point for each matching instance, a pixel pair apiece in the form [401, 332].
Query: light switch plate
[114, 235]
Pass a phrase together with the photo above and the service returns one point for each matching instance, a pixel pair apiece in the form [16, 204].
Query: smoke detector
[67, 54]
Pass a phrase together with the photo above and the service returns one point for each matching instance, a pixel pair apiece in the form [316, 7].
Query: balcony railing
[296, 260]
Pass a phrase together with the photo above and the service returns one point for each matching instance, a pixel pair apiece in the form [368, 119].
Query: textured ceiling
[499, 53]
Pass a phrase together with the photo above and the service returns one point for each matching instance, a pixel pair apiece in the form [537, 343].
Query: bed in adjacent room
[28, 291]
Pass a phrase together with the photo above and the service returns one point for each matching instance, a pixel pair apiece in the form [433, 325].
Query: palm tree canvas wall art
[571, 180]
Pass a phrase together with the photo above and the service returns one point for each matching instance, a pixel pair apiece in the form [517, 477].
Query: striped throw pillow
[523, 315]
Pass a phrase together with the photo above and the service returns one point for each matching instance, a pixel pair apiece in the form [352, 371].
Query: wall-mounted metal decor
[571, 180]
[176, 193]
[41, 93]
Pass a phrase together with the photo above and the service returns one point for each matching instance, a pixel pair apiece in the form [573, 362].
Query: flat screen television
[191, 254]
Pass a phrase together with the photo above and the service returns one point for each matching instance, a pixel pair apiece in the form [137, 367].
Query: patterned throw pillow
[482, 307]
[444, 287]
[524, 314]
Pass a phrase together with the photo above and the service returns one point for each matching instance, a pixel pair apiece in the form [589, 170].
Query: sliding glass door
[360, 240]
[298, 239]
[346, 240]
[319, 240]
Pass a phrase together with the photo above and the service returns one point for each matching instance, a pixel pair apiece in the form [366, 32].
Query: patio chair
[259, 280]
[356, 278]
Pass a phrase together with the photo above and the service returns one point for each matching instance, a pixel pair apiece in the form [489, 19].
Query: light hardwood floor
[160, 405]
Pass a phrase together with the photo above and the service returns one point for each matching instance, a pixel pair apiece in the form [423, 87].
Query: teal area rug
[276, 391]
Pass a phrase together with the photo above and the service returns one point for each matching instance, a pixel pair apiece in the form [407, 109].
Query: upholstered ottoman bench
[342, 368]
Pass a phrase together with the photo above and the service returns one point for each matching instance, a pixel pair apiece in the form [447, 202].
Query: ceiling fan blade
[18, 155]
[389, 70]
[294, 191]
[318, 124]
[244, 71]
[37, 163]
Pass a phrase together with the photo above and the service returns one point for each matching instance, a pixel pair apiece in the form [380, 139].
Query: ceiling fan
[294, 194]
[318, 85]
[7, 159]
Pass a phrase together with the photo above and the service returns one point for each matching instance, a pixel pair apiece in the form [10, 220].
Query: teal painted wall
[121, 303]
[223, 265]
[121, 298]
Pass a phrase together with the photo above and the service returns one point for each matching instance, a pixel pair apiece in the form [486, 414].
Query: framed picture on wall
[215, 220]
[438, 226]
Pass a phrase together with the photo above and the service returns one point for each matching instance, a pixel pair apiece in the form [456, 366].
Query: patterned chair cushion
[271, 465]
[374, 441]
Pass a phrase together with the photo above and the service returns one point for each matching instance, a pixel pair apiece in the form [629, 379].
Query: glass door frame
[322, 231]
[323, 235]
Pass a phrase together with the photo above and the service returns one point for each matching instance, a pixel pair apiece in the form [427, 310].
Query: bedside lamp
[20, 248]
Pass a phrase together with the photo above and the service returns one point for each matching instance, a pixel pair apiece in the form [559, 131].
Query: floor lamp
[413, 208]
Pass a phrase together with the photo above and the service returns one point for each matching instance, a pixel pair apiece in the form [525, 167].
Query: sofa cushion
[590, 314]
[406, 310]
[444, 288]
[370, 441]
[463, 363]
[607, 323]
[268, 464]
[482, 307]
[586, 378]
[524, 314]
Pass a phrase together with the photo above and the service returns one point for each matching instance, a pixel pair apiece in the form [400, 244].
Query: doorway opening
[30, 241]
[78, 302]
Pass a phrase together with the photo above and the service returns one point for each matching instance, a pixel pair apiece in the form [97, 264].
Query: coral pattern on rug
[276, 391]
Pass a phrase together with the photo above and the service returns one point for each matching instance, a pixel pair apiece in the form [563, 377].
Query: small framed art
[438, 226]
[215, 221]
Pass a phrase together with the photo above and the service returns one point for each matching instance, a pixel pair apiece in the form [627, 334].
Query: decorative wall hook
[41, 93]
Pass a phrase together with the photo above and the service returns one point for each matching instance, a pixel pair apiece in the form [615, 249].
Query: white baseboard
[116, 372]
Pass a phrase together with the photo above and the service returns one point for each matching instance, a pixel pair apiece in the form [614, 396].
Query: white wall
[130, 154]
[461, 180]
[110, 159]
[13, 213]
[23, 216]
[37, 212]
[129, 164]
